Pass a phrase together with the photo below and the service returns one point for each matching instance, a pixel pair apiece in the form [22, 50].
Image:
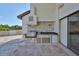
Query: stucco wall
[50, 12]
[67, 9]
[24, 24]
[46, 12]
[43, 26]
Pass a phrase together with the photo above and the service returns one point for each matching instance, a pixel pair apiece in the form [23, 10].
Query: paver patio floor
[20, 47]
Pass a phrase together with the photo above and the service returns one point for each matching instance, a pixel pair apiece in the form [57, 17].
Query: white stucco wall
[46, 12]
[24, 24]
[43, 26]
[50, 12]
[67, 9]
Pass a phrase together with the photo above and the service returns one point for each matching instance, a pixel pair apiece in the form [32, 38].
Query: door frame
[60, 31]
[68, 40]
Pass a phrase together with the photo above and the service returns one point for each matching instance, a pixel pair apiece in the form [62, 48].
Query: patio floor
[20, 47]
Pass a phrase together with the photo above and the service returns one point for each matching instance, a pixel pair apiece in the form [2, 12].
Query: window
[31, 18]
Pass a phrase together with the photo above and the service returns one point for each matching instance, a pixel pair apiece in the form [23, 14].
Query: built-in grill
[36, 33]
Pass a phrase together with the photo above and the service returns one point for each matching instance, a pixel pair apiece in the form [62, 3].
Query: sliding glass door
[73, 32]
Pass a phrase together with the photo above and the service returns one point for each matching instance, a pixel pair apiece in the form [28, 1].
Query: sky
[9, 12]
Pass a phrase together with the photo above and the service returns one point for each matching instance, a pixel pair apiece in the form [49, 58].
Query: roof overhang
[23, 14]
